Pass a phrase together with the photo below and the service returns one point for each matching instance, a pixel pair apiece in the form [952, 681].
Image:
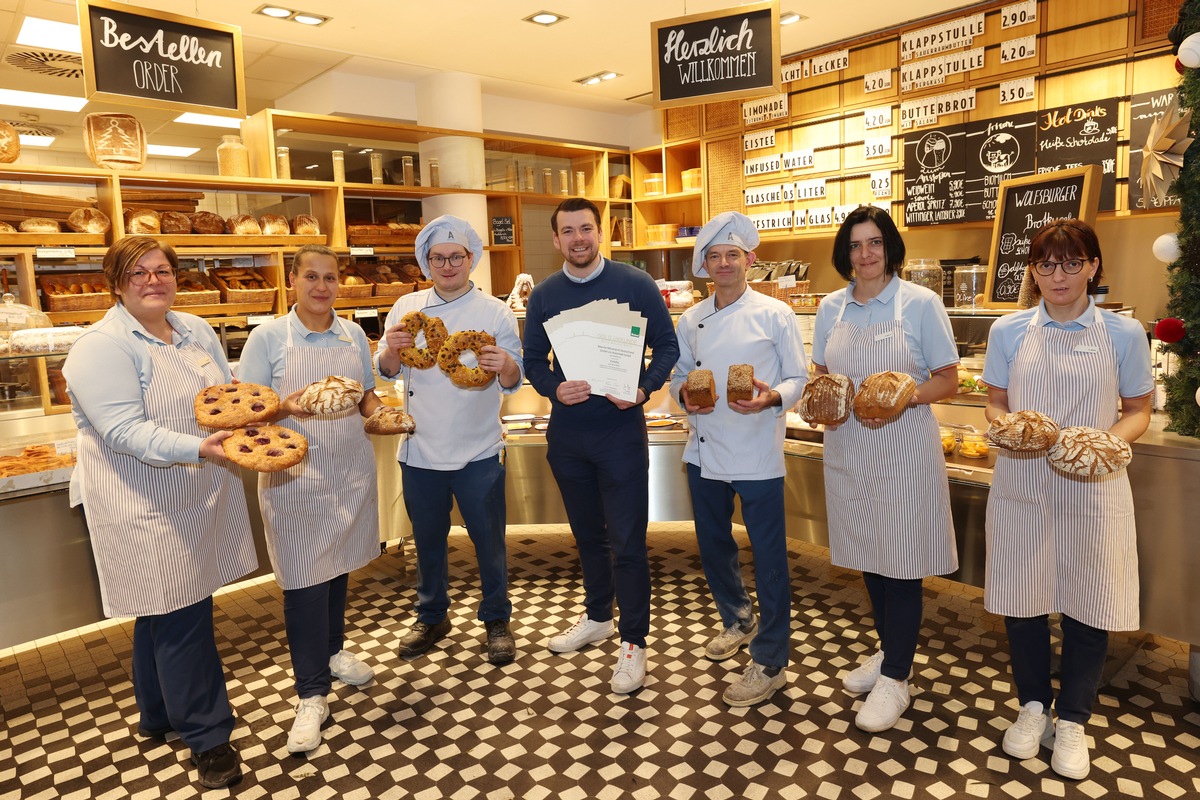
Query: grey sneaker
[726, 643]
[754, 687]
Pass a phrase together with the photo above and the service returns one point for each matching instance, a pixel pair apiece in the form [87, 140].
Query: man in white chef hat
[455, 452]
[736, 448]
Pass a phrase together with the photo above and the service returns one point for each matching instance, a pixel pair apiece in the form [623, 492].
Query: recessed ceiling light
[592, 80]
[212, 120]
[789, 17]
[545, 18]
[608, 76]
[309, 19]
[274, 11]
[51, 102]
[170, 150]
[29, 140]
[62, 36]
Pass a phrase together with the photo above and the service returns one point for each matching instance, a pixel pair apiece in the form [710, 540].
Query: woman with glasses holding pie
[1058, 543]
[165, 511]
[886, 490]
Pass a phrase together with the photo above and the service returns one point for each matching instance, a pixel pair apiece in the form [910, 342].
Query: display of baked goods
[10, 143]
[330, 395]
[1089, 452]
[243, 225]
[265, 448]
[450, 358]
[273, 225]
[39, 225]
[1023, 431]
[827, 400]
[434, 332]
[739, 383]
[701, 388]
[884, 395]
[305, 225]
[6, 227]
[387, 421]
[142, 221]
[232, 405]
[36, 458]
[384, 234]
[44, 340]
[207, 223]
[88, 220]
[241, 278]
[175, 223]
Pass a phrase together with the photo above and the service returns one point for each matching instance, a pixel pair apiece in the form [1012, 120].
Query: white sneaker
[883, 705]
[862, 678]
[1024, 736]
[1070, 757]
[581, 634]
[630, 672]
[311, 713]
[347, 668]
[754, 687]
[729, 641]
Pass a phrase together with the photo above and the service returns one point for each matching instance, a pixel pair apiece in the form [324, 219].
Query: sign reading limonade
[721, 55]
[152, 58]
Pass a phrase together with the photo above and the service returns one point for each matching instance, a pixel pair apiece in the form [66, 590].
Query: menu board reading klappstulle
[1076, 135]
[934, 176]
[997, 150]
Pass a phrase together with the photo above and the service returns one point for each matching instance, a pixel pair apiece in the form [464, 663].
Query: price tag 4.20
[1018, 49]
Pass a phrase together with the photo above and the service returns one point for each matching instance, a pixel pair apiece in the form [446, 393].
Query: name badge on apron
[1086, 348]
[344, 338]
[879, 337]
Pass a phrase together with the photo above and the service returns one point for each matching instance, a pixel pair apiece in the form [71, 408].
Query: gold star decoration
[1162, 154]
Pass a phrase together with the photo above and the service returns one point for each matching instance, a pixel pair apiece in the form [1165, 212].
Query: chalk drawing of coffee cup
[1090, 128]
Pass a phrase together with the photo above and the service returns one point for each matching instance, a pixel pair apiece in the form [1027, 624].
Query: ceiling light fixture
[603, 75]
[62, 36]
[789, 17]
[51, 102]
[274, 11]
[544, 18]
[192, 118]
[303, 17]
[309, 19]
[29, 140]
[171, 150]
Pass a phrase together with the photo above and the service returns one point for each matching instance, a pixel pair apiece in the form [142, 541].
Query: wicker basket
[622, 231]
[57, 293]
[422, 285]
[394, 289]
[364, 289]
[769, 288]
[221, 278]
[209, 295]
[618, 187]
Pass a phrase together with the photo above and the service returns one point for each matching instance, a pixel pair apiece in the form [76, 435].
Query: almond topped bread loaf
[827, 400]
[701, 388]
[884, 395]
[739, 383]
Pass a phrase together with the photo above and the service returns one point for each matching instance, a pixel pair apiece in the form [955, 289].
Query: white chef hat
[728, 227]
[447, 228]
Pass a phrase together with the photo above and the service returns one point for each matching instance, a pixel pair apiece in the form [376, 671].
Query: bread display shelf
[99, 298]
[234, 240]
[192, 296]
[260, 298]
[65, 238]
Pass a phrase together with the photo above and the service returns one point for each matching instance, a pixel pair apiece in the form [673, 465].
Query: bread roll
[1089, 453]
[273, 225]
[6, 227]
[142, 221]
[884, 395]
[701, 388]
[827, 400]
[10, 143]
[305, 225]
[208, 223]
[739, 383]
[39, 225]
[88, 220]
[388, 422]
[243, 225]
[175, 222]
[1023, 431]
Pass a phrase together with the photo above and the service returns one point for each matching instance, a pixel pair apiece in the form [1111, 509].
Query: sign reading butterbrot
[719, 55]
[153, 58]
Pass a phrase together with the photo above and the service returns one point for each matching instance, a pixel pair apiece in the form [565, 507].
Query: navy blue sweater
[619, 282]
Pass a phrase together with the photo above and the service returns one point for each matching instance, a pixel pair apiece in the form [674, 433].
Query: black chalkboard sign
[722, 55]
[997, 150]
[152, 58]
[1071, 136]
[502, 230]
[1145, 109]
[1023, 206]
[935, 171]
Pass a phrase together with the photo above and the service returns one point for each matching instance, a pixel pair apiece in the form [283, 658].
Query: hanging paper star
[1162, 155]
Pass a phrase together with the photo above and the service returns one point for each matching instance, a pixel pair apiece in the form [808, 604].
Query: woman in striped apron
[165, 511]
[886, 491]
[321, 517]
[1058, 543]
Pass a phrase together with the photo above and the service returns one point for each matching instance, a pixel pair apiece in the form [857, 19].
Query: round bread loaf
[243, 225]
[208, 223]
[1023, 431]
[39, 225]
[827, 400]
[331, 395]
[6, 227]
[387, 421]
[884, 395]
[175, 223]
[1089, 452]
[449, 358]
[88, 220]
[305, 225]
[265, 448]
[144, 221]
[273, 225]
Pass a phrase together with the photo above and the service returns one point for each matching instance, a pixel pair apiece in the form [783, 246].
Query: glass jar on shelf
[925, 272]
[974, 445]
[233, 158]
[949, 440]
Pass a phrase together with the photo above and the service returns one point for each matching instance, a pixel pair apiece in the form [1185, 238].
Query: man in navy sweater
[597, 446]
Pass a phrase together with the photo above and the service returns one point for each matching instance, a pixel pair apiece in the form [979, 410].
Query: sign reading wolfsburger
[153, 58]
[721, 55]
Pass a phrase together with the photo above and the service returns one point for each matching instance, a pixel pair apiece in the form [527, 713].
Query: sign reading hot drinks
[719, 55]
[152, 58]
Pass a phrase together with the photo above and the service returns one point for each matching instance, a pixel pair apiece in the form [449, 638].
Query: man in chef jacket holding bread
[746, 346]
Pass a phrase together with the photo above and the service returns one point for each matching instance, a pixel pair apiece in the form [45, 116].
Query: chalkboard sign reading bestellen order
[1023, 206]
[152, 58]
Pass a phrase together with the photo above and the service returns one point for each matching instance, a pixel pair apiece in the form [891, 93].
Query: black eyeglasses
[1046, 268]
[140, 277]
[456, 260]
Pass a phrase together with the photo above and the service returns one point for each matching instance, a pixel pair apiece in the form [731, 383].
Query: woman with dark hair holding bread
[320, 517]
[886, 490]
[165, 511]
[1057, 542]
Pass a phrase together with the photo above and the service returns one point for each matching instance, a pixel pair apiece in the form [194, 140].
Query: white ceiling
[406, 39]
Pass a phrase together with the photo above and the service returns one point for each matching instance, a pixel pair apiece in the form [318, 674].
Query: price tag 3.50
[1016, 91]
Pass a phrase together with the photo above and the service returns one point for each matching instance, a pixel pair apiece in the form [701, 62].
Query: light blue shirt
[1134, 378]
[926, 325]
[591, 276]
[264, 357]
[108, 370]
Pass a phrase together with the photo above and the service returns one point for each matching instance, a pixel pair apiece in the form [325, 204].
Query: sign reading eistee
[719, 55]
[152, 58]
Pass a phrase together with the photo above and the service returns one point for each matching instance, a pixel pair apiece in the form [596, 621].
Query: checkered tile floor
[448, 725]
